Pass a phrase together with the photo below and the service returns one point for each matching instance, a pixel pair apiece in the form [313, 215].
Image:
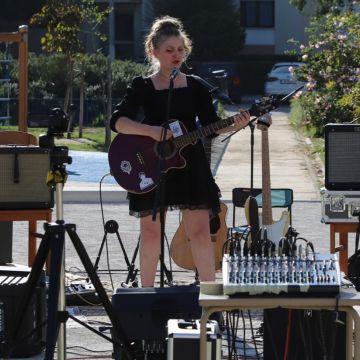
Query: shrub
[332, 70]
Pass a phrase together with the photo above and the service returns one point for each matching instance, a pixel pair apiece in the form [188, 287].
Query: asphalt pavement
[89, 208]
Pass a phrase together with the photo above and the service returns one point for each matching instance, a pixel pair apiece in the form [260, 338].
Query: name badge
[176, 129]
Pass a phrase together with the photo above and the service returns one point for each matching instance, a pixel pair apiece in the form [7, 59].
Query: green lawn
[93, 138]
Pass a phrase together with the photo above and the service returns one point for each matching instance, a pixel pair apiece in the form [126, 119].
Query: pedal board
[81, 293]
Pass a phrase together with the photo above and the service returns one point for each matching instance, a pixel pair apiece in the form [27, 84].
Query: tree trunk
[109, 105]
[81, 101]
[68, 96]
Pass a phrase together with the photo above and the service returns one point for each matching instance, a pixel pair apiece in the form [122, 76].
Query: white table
[349, 302]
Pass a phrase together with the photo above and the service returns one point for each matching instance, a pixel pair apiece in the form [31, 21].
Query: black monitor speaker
[342, 157]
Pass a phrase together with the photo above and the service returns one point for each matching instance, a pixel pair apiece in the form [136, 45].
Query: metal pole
[61, 342]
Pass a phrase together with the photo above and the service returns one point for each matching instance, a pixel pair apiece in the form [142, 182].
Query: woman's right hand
[156, 133]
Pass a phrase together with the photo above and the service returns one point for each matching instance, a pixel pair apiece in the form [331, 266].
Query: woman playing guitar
[192, 188]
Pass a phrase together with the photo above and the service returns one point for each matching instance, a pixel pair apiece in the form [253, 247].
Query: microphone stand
[258, 109]
[160, 191]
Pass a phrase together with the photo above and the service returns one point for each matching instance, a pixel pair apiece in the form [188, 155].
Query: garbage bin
[220, 80]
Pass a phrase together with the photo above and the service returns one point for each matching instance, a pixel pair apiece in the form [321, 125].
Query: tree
[332, 69]
[214, 26]
[64, 21]
[321, 7]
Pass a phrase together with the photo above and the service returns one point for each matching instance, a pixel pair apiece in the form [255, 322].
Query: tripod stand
[53, 243]
[112, 227]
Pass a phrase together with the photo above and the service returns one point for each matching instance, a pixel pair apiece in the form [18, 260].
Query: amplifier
[342, 154]
[23, 173]
[340, 206]
[144, 312]
[13, 280]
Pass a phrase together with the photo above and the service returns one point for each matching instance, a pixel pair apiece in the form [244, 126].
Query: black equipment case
[31, 335]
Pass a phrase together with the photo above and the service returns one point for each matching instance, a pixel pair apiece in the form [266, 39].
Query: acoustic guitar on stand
[270, 229]
[180, 248]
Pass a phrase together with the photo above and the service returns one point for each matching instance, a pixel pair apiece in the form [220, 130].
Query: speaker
[6, 234]
[313, 334]
[23, 174]
[342, 154]
[31, 335]
[144, 312]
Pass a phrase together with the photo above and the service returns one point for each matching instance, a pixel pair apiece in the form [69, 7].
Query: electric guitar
[270, 229]
[180, 249]
[133, 159]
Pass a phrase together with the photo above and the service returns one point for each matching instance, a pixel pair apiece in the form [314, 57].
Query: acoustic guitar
[180, 249]
[270, 229]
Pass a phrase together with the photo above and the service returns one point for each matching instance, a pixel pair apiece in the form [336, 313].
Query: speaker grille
[31, 191]
[342, 157]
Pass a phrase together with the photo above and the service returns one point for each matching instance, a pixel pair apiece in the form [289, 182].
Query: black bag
[354, 263]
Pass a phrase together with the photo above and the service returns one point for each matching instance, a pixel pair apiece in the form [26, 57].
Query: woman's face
[170, 53]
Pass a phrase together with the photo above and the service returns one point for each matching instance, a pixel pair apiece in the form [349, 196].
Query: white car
[281, 79]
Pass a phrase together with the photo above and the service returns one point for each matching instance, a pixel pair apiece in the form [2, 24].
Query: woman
[191, 189]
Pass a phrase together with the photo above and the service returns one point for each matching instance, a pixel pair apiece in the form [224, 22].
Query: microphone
[174, 73]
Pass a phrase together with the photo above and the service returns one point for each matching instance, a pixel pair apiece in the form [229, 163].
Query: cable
[103, 221]
[244, 332]
[322, 335]
[288, 335]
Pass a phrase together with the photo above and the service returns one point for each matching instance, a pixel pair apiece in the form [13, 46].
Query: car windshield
[281, 70]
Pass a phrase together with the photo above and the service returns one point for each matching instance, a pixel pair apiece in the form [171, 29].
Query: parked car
[281, 79]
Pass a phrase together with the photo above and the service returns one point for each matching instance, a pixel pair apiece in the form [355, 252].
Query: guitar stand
[112, 227]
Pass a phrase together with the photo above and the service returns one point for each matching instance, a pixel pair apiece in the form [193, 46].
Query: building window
[256, 13]
[124, 36]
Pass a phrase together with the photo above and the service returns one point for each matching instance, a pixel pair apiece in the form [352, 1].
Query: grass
[296, 121]
[93, 138]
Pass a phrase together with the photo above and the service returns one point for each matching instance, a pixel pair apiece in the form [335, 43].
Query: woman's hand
[156, 133]
[241, 119]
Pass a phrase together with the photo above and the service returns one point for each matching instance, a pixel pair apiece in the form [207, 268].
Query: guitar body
[134, 161]
[180, 249]
[277, 229]
[274, 231]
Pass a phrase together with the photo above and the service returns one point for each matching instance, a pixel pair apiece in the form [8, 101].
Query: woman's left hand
[241, 119]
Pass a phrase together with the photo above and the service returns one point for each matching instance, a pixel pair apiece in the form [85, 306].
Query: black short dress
[192, 187]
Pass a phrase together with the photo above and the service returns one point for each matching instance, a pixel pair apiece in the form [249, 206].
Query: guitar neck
[266, 186]
[192, 136]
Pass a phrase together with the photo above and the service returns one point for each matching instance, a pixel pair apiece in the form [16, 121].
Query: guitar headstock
[263, 106]
[269, 103]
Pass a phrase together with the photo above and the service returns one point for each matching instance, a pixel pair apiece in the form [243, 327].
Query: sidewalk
[289, 168]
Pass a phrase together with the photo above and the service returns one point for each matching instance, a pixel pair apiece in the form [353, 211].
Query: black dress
[192, 187]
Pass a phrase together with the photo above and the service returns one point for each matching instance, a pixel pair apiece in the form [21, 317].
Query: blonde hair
[161, 29]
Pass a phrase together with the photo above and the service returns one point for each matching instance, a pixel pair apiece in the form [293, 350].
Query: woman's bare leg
[197, 227]
[149, 249]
